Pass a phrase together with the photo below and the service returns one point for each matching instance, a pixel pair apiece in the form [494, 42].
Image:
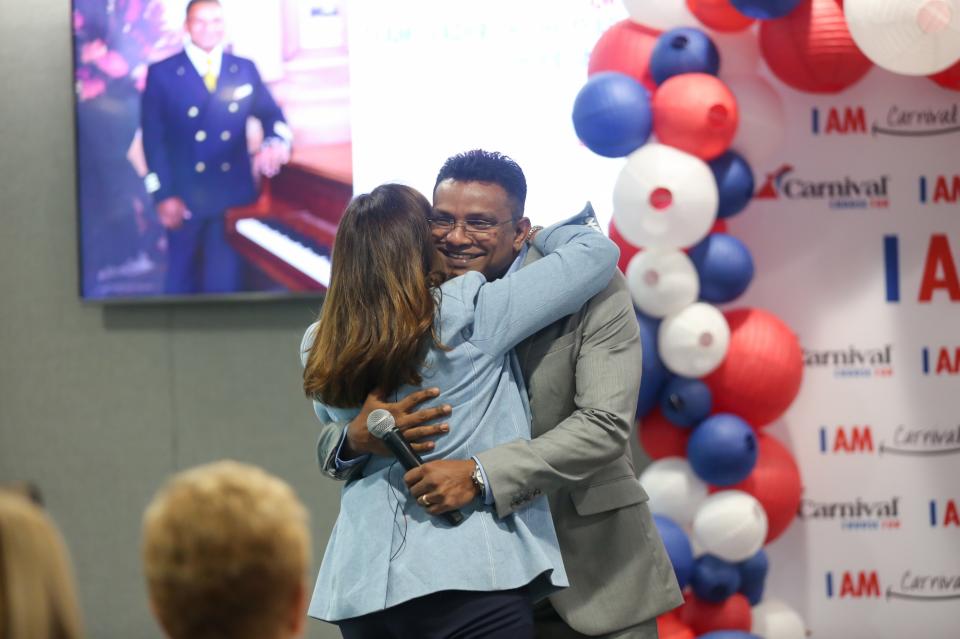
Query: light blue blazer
[384, 548]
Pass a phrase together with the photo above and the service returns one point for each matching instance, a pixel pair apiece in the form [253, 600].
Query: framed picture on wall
[213, 146]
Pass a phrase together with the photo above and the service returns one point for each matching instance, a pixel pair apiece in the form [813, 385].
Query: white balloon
[731, 525]
[660, 14]
[662, 281]
[773, 619]
[912, 37]
[739, 51]
[694, 341]
[664, 197]
[762, 126]
[675, 490]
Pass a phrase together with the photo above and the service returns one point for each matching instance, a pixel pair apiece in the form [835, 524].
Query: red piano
[288, 232]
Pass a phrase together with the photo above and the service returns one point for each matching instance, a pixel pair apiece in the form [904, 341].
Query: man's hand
[271, 156]
[411, 423]
[172, 212]
[447, 484]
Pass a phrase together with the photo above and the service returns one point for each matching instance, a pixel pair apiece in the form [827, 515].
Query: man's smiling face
[490, 252]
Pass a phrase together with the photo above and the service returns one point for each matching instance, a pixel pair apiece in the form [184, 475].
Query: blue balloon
[728, 634]
[765, 9]
[753, 576]
[654, 373]
[725, 267]
[612, 114]
[683, 50]
[734, 182]
[722, 450]
[678, 548]
[685, 402]
[714, 579]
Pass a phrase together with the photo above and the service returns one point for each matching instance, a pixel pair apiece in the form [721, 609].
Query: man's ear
[522, 228]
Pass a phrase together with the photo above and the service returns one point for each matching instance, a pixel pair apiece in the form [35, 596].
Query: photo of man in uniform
[194, 115]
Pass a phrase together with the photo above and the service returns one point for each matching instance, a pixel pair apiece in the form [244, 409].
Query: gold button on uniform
[200, 136]
[225, 167]
[200, 167]
[225, 136]
[233, 107]
[192, 112]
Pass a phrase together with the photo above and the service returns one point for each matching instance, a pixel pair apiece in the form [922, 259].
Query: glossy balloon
[683, 50]
[612, 115]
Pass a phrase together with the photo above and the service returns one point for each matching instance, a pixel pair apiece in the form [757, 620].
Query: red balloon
[669, 626]
[627, 250]
[625, 47]
[811, 48]
[703, 617]
[775, 482]
[761, 374]
[660, 438]
[949, 78]
[696, 113]
[720, 226]
[719, 15]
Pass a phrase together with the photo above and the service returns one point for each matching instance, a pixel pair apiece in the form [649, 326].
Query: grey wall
[98, 405]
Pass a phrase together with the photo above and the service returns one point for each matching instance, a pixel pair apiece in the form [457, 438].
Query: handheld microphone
[381, 425]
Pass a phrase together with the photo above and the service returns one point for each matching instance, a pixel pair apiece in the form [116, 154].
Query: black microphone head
[380, 422]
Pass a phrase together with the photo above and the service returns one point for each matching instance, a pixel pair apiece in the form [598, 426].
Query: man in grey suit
[583, 376]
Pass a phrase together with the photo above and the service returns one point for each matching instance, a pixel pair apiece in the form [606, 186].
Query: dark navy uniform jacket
[195, 141]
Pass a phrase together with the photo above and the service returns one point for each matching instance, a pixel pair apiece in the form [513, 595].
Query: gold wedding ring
[422, 499]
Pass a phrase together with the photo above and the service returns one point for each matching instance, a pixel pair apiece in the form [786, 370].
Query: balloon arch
[685, 73]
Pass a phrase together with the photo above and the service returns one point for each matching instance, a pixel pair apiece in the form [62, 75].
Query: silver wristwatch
[477, 478]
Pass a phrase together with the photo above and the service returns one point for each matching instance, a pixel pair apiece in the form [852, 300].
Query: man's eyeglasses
[475, 227]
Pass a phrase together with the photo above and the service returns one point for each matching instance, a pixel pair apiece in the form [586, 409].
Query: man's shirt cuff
[344, 464]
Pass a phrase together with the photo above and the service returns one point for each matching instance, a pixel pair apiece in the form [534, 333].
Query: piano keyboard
[300, 257]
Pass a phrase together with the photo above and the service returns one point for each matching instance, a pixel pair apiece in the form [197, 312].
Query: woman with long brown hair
[390, 323]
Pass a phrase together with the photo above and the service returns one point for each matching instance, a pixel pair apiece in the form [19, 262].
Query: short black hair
[487, 166]
[194, 2]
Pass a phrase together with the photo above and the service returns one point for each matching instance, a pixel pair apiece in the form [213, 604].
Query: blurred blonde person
[37, 595]
[225, 550]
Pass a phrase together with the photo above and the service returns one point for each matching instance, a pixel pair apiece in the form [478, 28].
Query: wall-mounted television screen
[213, 146]
[219, 142]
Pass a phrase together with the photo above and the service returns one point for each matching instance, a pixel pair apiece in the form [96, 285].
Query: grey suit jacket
[583, 378]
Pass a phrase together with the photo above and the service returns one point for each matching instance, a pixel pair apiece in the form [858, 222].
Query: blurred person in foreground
[37, 595]
[226, 547]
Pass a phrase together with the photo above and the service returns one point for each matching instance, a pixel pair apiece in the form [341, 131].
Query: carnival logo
[908, 441]
[919, 122]
[940, 277]
[866, 584]
[845, 193]
[898, 121]
[944, 514]
[928, 588]
[852, 362]
[922, 441]
[856, 514]
[943, 360]
[943, 189]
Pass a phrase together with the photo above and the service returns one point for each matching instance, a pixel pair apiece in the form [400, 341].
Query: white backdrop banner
[855, 234]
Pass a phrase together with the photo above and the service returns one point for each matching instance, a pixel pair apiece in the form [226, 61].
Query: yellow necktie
[210, 78]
